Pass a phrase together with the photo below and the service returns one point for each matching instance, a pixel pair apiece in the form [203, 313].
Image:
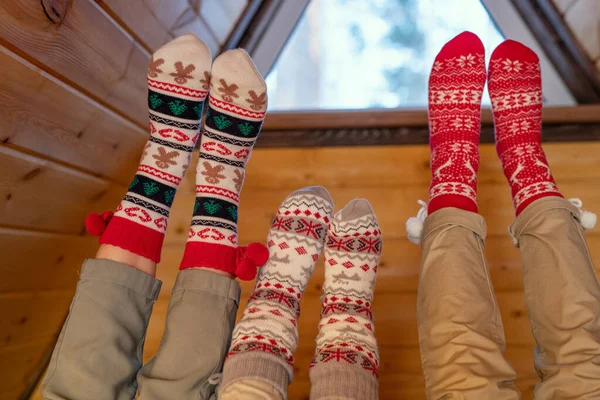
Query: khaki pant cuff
[209, 282]
[537, 208]
[451, 216]
[123, 275]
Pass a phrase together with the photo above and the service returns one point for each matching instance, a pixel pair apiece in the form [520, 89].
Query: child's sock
[266, 338]
[236, 110]
[175, 100]
[515, 85]
[346, 362]
[455, 88]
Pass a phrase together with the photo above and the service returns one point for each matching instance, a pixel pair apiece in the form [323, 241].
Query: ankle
[113, 253]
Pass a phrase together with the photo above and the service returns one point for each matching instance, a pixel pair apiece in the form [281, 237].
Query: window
[353, 54]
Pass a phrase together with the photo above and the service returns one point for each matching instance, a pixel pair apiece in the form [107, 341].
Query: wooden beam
[562, 48]
[401, 127]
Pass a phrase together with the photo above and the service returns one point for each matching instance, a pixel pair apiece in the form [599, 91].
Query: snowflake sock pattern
[237, 105]
[346, 362]
[177, 86]
[266, 338]
[455, 88]
[515, 85]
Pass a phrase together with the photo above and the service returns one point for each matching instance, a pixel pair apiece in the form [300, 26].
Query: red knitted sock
[455, 88]
[515, 86]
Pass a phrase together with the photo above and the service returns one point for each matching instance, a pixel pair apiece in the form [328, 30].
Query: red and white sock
[455, 88]
[236, 110]
[515, 85]
[177, 87]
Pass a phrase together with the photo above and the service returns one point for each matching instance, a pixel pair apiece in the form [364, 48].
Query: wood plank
[217, 18]
[139, 19]
[406, 136]
[387, 166]
[399, 268]
[21, 363]
[42, 114]
[31, 316]
[564, 5]
[33, 261]
[42, 195]
[393, 205]
[167, 12]
[234, 8]
[191, 23]
[582, 18]
[83, 46]
[374, 118]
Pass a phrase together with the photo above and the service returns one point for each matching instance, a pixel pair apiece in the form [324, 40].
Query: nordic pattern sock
[177, 87]
[455, 88]
[266, 338]
[236, 110]
[515, 85]
[346, 361]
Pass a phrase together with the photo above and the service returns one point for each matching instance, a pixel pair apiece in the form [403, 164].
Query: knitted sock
[266, 338]
[455, 88]
[346, 362]
[237, 104]
[515, 85]
[177, 87]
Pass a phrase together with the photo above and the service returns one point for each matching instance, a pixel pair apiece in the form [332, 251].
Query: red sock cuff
[209, 255]
[133, 237]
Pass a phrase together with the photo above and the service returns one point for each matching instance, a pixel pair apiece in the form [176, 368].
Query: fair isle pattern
[295, 242]
[346, 331]
[515, 87]
[231, 128]
[455, 89]
[175, 103]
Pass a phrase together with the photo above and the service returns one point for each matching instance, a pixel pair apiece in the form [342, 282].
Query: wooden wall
[72, 124]
[392, 178]
[583, 18]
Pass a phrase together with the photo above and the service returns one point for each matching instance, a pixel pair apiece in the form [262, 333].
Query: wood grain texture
[190, 23]
[33, 261]
[382, 118]
[42, 195]
[86, 48]
[42, 114]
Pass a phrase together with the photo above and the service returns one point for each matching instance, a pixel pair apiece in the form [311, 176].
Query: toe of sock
[464, 43]
[318, 191]
[184, 60]
[355, 209]
[514, 50]
[237, 80]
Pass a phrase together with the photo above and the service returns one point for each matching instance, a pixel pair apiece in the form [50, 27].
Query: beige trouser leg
[563, 298]
[99, 350]
[460, 330]
[200, 320]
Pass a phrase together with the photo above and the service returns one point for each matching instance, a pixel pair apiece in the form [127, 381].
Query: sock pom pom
[414, 229]
[96, 223]
[587, 219]
[248, 259]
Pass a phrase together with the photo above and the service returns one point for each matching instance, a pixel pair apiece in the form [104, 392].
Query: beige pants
[98, 355]
[460, 330]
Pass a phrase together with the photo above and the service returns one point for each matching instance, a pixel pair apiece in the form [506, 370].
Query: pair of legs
[460, 330]
[99, 351]
[260, 362]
